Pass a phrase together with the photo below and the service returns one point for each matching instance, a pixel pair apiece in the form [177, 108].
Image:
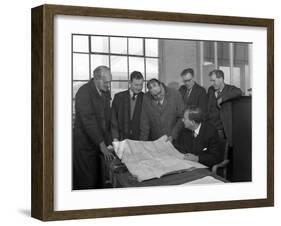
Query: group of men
[193, 120]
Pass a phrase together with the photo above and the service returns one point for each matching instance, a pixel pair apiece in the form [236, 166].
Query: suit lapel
[192, 92]
[199, 139]
[166, 100]
[127, 106]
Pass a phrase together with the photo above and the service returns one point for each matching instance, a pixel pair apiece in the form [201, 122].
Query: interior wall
[175, 56]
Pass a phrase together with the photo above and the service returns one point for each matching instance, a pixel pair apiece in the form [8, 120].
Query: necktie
[218, 93]
[134, 96]
[194, 134]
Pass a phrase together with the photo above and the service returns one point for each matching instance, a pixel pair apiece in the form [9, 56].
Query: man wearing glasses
[192, 93]
[162, 112]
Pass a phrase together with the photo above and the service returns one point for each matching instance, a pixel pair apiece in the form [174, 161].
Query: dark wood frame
[42, 203]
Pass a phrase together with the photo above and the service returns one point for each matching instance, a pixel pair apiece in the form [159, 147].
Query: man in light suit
[126, 110]
[220, 96]
[162, 111]
[199, 141]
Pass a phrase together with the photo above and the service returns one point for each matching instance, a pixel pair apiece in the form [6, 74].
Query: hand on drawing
[107, 152]
[169, 138]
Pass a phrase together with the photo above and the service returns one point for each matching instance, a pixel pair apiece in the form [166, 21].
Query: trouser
[86, 170]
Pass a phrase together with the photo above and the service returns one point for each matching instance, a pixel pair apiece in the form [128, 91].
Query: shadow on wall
[174, 85]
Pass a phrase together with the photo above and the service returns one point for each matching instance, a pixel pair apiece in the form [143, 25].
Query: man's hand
[191, 157]
[219, 101]
[169, 138]
[107, 153]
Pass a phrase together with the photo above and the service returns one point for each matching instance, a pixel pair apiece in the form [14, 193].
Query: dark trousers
[86, 170]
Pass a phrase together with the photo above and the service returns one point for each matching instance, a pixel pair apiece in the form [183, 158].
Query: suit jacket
[197, 97]
[224, 114]
[91, 127]
[122, 127]
[157, 121]
[205, 145]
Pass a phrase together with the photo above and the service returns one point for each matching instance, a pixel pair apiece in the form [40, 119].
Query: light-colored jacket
[165, 120]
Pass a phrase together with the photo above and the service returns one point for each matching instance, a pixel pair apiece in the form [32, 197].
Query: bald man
[91, 133]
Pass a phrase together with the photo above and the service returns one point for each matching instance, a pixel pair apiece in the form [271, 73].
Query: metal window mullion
[109, 59]
[216, 55]
[144, 60]
[231, 63]
[128, 62]
[250, 66]
[89, 47]
[201, 60]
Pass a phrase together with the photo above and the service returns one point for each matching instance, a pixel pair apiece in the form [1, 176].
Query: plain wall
[175, 56]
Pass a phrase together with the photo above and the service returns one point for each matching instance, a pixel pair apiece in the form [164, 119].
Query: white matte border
[66, 199]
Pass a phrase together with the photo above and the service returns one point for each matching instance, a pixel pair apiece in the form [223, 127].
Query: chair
[223, 164]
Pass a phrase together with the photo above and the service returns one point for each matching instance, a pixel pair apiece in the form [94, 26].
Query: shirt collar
[99, 92]
[161, 101]
[131, 93]
[196, 132]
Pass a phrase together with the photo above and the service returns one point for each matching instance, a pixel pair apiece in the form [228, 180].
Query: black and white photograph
[152, 111]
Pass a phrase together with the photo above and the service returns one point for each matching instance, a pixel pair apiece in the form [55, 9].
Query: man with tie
[91, 133]
[162, 112]
[200, 141]
[220, 96]
[192, 93]
[126, 110]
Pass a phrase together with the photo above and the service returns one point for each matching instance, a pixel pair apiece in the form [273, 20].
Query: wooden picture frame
[42, 204]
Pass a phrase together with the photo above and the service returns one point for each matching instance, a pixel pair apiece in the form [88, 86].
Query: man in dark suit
[220, 96]
[91, 133]
[126, 110]
[192, 93]
[200, 141]
[162, 111]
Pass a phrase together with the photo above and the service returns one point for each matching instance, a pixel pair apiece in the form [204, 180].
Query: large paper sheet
[152, 159]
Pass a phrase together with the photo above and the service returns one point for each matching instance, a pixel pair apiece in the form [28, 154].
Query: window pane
[136, 46]
[119, 68]
[151, 68]
[117, 87]
[76, 86]
[223, 54]
[208, 61]
[98, 60]
[241, 67]
[209, 53]
[80, 66]
[151, 47]
[99, 44]
[240, 53]
[118, 45]
[136, 64]
[226, 71]
[144, 89]
[80, 43]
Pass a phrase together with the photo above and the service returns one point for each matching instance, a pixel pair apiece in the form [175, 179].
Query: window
[232, 58]
[122, 55]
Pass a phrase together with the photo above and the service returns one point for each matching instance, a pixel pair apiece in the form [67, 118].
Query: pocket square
[204, 149]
